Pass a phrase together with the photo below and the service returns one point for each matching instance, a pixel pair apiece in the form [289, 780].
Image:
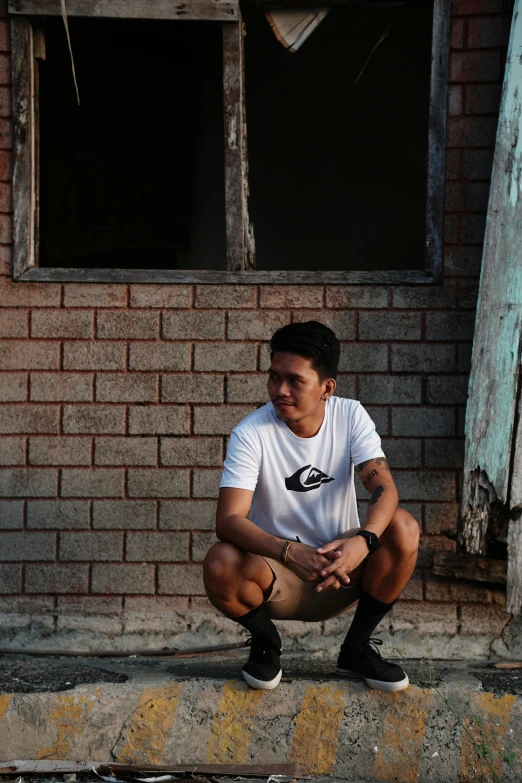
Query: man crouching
[304, 555]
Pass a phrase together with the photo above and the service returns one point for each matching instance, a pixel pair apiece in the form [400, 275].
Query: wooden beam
[495, 376]
[288, 4]
[514, 579]
[290, 769]
[214, 10]
[173, 652]
[47, 767]
[471, 567]
[514, 576]
[24, 146]
[239, 231]
[440, 37]
[506, 665]
[210, 277]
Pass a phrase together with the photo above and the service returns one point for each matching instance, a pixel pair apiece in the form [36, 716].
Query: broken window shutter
[239, 231]
[495, 374]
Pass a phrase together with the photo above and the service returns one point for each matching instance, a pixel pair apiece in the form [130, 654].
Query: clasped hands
[329, 565]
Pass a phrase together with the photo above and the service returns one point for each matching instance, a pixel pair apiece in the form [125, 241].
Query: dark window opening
[338, 172]
[134, 177]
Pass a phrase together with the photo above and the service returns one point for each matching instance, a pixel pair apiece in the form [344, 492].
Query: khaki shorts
[293, 599]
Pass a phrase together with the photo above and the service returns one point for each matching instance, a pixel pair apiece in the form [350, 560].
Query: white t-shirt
[303, 487]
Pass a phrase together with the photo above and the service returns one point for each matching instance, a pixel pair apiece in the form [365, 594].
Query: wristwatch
[371, 539]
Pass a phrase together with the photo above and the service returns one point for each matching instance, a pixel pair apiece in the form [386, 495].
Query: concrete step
[455, 722]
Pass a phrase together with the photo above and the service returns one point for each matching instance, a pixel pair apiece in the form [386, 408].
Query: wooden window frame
[240, 245]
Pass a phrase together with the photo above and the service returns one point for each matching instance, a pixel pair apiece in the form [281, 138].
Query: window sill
[174, 276]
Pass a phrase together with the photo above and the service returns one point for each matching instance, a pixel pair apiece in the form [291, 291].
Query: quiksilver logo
[303, 481]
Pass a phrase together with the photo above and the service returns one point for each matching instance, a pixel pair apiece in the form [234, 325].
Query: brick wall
[117, 400]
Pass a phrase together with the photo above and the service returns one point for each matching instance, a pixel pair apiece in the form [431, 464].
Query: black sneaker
[263, 668]
[365, 660]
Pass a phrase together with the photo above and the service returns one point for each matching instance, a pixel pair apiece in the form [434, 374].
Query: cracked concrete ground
[458, 721]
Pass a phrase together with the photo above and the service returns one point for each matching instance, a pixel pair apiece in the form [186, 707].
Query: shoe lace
[376, 643]
[371, 649]
[374, 655]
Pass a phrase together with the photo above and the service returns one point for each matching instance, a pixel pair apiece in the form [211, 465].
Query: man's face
[294, 387]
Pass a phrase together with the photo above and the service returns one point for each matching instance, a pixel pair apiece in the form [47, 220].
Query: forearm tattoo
[376, 494]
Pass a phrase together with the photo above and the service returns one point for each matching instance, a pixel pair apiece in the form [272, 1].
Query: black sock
[258, 623]
[368, 615]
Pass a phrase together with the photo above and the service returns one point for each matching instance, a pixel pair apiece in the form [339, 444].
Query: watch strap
[372, 540]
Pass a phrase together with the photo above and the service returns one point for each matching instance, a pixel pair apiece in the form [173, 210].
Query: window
[337, 170]
[149, 179]
[132, 178]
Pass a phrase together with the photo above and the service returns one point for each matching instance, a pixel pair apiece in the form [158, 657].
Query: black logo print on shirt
[304, 482]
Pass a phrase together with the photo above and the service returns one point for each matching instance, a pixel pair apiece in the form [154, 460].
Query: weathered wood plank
[514, 575]
[515, 491]
[39, 53]
[494, 378]
[514, 579]
[214, 10]
[173, 652]
[47, 767]
[173, 276]
[239, 231]
[24, 170]
[283, 4]
[290, 769]
[437, 138]
[471, 567]
[506, 665]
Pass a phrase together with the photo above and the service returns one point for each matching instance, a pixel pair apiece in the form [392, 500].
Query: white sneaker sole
[262, 685]
[379, 685]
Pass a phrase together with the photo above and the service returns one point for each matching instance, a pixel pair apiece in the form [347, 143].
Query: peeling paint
[232, 130]
[314, 744]
[400, 750]
[4, 703]
[68, 718]
[482, 513]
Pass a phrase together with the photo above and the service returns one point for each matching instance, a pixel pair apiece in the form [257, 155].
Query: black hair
[312, 340]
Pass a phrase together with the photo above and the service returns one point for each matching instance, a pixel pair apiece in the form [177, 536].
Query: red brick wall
[117, 400]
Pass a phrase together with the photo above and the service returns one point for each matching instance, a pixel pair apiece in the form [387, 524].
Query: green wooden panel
[496, 350]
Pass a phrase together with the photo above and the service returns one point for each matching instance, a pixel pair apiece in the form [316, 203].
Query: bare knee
[403, 533]
[222, 566]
